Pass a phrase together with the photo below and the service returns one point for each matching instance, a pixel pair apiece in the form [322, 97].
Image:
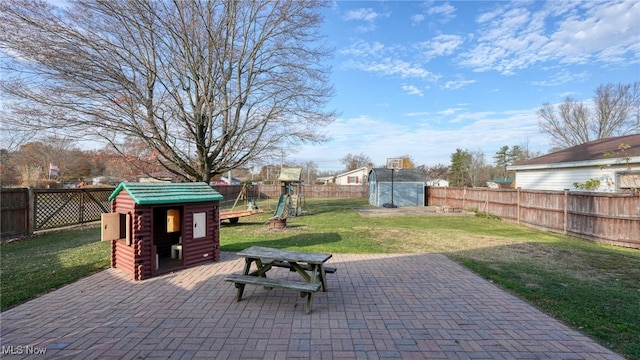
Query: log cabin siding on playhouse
[155, 228]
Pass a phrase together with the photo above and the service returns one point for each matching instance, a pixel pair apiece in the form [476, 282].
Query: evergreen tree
[460, 163]
[502, 160]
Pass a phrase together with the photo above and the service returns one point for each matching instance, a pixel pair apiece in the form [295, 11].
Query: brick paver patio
[377, 307]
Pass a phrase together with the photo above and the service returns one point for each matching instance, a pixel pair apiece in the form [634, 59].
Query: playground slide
[281, 208]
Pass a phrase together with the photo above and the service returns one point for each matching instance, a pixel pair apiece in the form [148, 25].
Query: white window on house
[628, 180]
[352, 180]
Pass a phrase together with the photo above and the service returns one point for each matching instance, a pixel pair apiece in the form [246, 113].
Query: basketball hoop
[395, 163]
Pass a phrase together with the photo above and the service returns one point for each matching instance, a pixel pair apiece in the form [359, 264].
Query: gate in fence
[28, 210]
[58, 208]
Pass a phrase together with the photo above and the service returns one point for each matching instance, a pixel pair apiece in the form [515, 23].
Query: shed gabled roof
[404, 175]
[593, 150]
[167, 193]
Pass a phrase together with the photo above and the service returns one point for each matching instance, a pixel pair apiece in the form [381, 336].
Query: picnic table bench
[309, 265]
[327, 269]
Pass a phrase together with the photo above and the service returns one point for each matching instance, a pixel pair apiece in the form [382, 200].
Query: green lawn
[592, 287]
[32, 267]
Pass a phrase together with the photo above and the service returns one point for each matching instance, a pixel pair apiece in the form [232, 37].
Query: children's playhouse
[155, 228]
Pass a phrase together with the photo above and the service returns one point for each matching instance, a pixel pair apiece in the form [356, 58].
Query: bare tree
[435, 172]
[12, 133]
[207, 85]
[54, 150]
[352, 162]
[309, 171]
[614, 112]
[476, 167]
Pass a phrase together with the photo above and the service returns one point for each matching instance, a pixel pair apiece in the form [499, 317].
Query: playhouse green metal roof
[167, 193]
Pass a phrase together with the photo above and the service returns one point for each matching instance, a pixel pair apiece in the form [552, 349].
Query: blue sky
[423, 78]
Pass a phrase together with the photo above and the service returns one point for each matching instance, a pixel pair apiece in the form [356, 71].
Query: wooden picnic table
[309, 265]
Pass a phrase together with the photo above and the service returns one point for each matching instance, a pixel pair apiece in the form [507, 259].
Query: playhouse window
[199, 225]
[173, 220]
[116, 226]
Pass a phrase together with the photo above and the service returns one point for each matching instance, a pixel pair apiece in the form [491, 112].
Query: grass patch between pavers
[592, 287]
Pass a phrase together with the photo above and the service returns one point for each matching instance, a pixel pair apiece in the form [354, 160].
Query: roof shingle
[404, 175]
[593, 150]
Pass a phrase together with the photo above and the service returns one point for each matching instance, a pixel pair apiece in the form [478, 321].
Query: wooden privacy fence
[24, 211]
[14, 213]
[606, 217]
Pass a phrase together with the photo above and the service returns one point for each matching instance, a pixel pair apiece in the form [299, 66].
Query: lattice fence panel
[59, 208]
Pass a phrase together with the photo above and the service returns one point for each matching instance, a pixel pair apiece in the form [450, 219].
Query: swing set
[234, 215]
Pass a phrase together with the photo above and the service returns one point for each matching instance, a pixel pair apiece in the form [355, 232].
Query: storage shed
[408, 187]
[156, 228]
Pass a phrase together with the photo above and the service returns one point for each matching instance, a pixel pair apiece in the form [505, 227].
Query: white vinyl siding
[354, 177]
[564, 178]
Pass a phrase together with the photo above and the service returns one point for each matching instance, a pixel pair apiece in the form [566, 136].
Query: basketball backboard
[395, 163]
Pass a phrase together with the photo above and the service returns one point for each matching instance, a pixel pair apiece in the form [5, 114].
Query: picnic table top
[259, 252]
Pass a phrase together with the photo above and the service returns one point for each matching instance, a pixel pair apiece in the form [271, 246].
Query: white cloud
[457, 84]
[483, 57]
[365, 49]
[375, 57]
[488, 16]
[367, 15]
[381, 138]
[393, 67]
[361, 14]
[515, 37]
[439, 45]
[591, 35]
[412, 90]
[416, 114]
[449, 111]
[361, 134]
[417, 18]
[562, 77]
[470, 117]
[567, 93]
[443, 12]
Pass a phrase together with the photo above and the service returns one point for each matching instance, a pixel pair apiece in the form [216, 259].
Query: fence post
[566, 211]
[518, 206]
[486, 201]
[81, 212]
[31, 216]
[464, 197]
